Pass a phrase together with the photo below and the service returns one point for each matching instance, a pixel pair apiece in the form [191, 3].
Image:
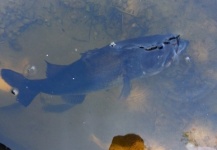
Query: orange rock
[4, 86]
[127, 142]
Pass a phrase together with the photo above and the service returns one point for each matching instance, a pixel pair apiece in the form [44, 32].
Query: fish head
[172, 47]
[161, 53]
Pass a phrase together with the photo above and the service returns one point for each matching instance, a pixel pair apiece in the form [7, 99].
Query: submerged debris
[191, 146]
[200, 137]
[16, 18]
[130, 7]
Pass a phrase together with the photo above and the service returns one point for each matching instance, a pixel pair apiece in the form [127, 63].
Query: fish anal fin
[73, 99]
[125, 92]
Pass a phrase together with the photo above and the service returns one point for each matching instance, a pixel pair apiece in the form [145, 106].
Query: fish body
[101, 68]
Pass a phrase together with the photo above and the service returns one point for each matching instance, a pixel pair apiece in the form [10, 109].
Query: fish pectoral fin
[125, 92]
[73, 99]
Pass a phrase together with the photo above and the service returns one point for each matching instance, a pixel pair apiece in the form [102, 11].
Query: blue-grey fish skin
[101, 68]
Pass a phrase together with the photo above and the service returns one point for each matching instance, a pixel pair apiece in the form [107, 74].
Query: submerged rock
[191, 146]
[127, 142]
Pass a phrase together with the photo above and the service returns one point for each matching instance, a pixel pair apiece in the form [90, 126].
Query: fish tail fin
[20, 86]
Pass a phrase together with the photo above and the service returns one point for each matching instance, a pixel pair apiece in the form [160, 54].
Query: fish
[101, 68]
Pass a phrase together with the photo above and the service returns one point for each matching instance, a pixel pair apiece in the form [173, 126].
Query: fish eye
[172, 38]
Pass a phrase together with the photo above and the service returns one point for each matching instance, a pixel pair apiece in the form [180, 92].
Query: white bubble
[187, 59]
[112, 44]
[15, 91]
[30, 70]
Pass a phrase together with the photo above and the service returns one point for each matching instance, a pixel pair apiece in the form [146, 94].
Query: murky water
[168, 110]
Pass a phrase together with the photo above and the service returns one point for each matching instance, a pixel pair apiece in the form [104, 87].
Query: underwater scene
[108, 75]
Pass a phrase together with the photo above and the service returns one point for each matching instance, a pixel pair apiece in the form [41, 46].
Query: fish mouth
[182, 46]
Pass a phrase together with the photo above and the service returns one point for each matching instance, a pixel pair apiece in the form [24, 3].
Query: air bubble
[187, 59]
[15, 91]
[30, 71]
[112, 44]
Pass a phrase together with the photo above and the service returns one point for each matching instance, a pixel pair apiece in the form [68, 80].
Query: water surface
[168, 110]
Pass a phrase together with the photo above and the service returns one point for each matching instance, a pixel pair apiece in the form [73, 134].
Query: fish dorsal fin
[53, 69]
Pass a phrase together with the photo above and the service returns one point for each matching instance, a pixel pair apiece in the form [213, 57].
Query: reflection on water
[168, 111]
